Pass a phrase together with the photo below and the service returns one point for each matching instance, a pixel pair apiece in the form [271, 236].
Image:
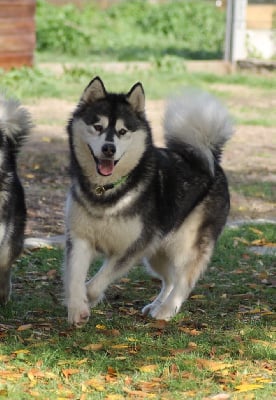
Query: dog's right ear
[94, 91]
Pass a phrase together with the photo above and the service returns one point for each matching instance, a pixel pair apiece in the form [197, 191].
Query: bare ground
[249, 160]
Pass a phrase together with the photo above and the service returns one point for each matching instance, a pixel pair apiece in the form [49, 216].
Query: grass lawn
[243, 93]
[221, 345]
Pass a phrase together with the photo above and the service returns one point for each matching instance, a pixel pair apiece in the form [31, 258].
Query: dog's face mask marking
[107, 143]
[109, 127]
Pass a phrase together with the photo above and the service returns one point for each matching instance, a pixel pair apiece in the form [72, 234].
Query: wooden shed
[17, 33]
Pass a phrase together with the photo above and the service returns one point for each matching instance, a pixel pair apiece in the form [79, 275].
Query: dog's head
[112, 126]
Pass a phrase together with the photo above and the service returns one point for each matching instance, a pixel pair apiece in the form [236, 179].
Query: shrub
[132, 30]
[61, 29]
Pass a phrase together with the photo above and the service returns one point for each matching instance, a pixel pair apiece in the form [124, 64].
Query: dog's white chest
[111, 234]
[116, 235]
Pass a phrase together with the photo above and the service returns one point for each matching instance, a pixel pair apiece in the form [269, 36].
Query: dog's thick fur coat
[15, 125]
[130, 200]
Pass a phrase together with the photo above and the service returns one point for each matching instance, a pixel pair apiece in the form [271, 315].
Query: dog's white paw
[160, 311]
[146, 309]
[78, 314]
[149, 308]
[94, 295]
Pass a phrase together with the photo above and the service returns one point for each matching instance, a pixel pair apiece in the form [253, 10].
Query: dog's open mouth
[105, 166]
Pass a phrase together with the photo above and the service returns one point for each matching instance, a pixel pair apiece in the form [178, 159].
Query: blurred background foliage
[131, 30]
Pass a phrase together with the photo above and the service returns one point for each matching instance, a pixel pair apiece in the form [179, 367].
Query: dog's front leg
[78, 256]
[111, 270]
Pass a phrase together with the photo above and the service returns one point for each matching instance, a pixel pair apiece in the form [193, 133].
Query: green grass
[223, 338]
[160, 80]
[169, 75]
[241, 78]
[260, 190]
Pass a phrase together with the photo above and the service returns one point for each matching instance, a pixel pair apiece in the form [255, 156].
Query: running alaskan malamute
[130, 200]
[15, 125]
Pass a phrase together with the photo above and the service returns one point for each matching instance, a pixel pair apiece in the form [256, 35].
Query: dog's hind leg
[160, 265]
[111, 270]
[5, 284]
[78, 256]
[186, 273]
[5, 271]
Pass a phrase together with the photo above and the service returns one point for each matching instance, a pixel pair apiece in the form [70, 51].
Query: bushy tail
[200, 122]
[15, 122]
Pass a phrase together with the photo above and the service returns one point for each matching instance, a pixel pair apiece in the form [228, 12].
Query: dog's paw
[146, 310]
[94, 295]
[78, 314]
[149, 308]
[159, 311]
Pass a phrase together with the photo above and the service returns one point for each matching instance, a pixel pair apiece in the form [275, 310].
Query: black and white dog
[15, 125]
[130, 200]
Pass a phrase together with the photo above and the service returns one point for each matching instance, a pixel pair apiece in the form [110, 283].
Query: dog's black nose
[109, 149]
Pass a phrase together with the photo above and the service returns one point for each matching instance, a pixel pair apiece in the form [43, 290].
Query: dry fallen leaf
[212, 365]
[10, 375]
[70, 371]
[93, 347]
[107, 332]
[100, 327]
[4, 358]
[262, 242]
[197, 296]
[24, 327]
[255, 230]
[111, 371]
[190, 331]
[158, 324]
[140, 393]
[149, 368]
[246, 387]
[151, 386]
[96, 384]
[21, 351]
[83, 361]
[241, 240]
[119, 346]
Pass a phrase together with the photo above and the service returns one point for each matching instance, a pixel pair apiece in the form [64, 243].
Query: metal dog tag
[100, 191]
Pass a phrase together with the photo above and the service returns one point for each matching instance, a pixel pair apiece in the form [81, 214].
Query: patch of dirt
[249, 159]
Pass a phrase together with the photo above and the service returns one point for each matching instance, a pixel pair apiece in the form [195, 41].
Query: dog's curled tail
[15, 121]
[200, 123]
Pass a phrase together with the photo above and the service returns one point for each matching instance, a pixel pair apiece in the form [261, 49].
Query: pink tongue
[106, 167]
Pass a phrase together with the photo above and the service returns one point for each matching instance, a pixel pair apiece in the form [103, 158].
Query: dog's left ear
[136, 97]
[94, 91]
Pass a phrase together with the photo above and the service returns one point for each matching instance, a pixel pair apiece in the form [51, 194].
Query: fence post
[235, 38]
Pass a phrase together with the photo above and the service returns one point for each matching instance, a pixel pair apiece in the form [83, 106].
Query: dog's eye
[98, 127]
[122, 132]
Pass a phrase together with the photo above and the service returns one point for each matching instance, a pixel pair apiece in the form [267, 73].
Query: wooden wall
[260, 16]
[17, 33]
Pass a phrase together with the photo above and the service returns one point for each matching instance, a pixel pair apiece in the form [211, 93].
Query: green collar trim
[101, 189]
